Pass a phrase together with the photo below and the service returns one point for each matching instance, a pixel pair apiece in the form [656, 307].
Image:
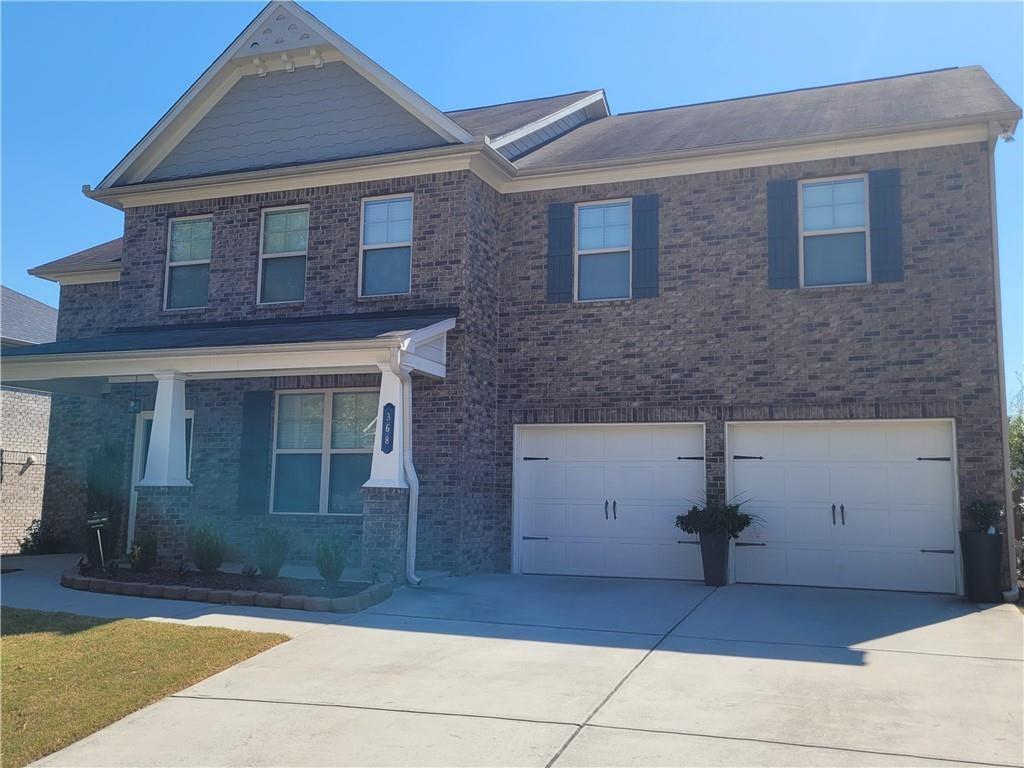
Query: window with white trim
[385, 262]
[604, 236]
[189, 247]
[283, 244]
[834, 232]
[323, 448]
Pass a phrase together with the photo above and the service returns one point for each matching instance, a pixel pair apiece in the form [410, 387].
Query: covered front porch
[304, 424]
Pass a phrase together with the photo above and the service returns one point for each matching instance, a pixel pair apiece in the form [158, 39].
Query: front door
[143, 431]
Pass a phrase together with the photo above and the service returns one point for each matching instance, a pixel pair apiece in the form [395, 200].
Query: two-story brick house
[526, 336]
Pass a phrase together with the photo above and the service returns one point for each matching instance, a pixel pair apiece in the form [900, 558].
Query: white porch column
[165, 462]
[388, 469]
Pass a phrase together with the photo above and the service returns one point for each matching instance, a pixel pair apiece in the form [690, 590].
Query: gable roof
[941, 97]
[24, 320]
[100, 257]
[283, 36]
[496, 120]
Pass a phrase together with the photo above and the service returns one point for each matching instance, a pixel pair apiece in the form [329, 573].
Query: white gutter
[410, 469]
[1012, 594]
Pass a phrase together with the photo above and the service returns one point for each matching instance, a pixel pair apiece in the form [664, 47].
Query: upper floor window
[386, 246]
[283, 245]
[834, 232]
[323, 449]
[603, 245]
[189, 245]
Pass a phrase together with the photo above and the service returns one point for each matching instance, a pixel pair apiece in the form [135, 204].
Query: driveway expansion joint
[511, 624]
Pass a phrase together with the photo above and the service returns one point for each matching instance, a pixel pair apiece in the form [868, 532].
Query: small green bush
[330, 559]
[713, 517]
[207, 547]
[985, 513]
[41, 539]
[142, 555]
[271, 551]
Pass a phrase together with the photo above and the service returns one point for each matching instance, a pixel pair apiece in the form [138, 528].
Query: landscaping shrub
[330, 559]
[207, 547]
[142, 555]
[271, 551]
[41, 539]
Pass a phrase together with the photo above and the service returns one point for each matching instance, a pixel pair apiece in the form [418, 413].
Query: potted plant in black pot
[981, 547]
[715, 523]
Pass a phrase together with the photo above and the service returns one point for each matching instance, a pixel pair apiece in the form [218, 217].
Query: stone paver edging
[373, 594]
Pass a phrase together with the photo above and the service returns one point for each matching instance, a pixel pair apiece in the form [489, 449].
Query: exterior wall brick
[167, 514]
[715, 346]
[385, 528]
[24, 427]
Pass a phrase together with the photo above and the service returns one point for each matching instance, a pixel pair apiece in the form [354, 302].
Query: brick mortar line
[618, 686]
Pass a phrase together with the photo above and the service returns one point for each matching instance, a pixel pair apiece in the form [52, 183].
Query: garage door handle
[842, 513]
[606, 509]
[615, 507]
[833, 514]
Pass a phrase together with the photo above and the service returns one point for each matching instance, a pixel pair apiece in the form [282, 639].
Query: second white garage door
[602, 500]
[847, 504]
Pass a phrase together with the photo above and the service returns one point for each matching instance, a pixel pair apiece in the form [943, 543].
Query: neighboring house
[525, 336]
[24, 420]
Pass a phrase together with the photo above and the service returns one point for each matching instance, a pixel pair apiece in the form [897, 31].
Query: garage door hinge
[758, 458]
[934, 458]
[751, 544]
[937, 551]
[687, 541]
[535, 458]
[689, 458]
[535, 538]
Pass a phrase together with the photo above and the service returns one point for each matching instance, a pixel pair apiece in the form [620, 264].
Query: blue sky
[82, 82]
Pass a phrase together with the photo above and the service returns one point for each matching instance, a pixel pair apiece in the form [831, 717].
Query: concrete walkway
[503, 670]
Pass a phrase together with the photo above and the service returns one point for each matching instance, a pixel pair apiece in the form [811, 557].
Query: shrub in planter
[981, 547]
[271, 550]
[41, 539]
[330, 560]
[715, 523]
[142, 555]
[207, 547]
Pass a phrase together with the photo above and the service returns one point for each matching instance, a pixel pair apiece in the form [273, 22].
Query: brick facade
[716, 345]
[24, 427]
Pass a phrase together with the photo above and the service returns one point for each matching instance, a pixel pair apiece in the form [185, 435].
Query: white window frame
[576, 251]
[168, 265]
[866, 229]
[377, 246]
[324, 450]
[264, 256]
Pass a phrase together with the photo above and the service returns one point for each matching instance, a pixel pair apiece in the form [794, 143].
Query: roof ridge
[796, 90]
[522, 101]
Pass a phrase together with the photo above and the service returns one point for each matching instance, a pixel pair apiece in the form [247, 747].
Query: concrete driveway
[503, 670]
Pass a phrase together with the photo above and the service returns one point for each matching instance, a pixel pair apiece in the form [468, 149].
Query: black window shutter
[886, 222]
[645, 246]
[560, 252]
[783, 242]
[254, 459]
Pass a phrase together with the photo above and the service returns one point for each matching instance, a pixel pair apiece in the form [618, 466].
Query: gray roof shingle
[102, 256]
[498, 119]
[23, 320]
[954, 95]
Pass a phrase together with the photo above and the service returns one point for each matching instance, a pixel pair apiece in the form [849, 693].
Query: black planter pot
[714, 554]
[983, 564]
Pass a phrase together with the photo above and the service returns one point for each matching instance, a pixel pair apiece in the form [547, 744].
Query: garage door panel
[894, 505]
[636, 469]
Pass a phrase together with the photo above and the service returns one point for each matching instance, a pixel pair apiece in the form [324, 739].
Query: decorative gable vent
[284, 31]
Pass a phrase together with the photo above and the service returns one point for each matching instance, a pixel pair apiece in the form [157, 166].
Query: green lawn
[65, 676]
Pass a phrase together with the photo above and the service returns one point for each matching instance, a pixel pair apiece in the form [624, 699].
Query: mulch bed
[232, 581]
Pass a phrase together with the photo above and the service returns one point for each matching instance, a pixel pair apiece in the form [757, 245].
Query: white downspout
[1013, 593]
[410, 470]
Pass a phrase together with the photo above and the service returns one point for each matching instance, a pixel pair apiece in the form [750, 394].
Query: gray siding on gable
[285, 118]
[545, 134]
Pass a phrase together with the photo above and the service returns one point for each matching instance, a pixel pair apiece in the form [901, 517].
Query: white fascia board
[216, 362]
[597, 98]
[223, 73]
[80, 277]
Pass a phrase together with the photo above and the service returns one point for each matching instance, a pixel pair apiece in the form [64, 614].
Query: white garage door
[602, 500]
[847, 504]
